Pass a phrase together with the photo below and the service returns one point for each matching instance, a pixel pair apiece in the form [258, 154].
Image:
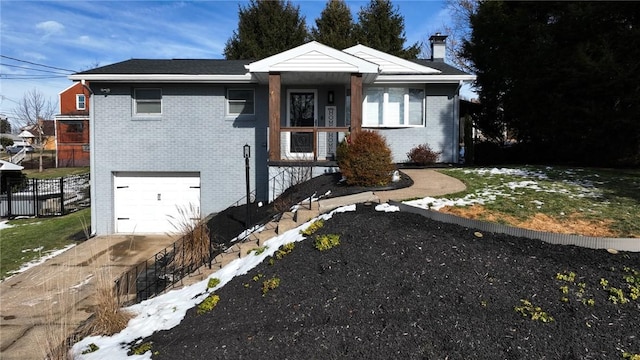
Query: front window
[240, 102]
[393, 107]
[148, 101]
[81, 102]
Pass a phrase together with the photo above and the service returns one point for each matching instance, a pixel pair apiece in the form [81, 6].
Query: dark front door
[302, 113]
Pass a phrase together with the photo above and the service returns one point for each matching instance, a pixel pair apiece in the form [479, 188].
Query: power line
[32, 63]
[28, 68]
[29, 77]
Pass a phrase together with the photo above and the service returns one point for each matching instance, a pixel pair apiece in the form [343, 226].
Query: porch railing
[310, 143]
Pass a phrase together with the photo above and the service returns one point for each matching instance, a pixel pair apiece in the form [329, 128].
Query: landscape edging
[621, 244]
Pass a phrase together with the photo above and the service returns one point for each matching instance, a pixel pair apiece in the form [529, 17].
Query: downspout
[92, 162]
[456, 123]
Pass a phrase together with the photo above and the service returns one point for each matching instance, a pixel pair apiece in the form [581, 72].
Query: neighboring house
[72, 127]
[40, 135]
[169, 134]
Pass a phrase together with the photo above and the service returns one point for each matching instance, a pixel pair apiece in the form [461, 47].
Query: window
[147, 101]
[81, 102]
[240, 102]
[393, 107]
[74, 126]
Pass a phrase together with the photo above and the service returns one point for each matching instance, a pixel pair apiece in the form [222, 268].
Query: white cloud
[50, 28]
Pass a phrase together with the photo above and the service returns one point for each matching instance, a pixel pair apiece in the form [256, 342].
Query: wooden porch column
[274, 116]
[356, 103]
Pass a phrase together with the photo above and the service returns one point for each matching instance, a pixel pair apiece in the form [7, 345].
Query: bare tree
[33, 109]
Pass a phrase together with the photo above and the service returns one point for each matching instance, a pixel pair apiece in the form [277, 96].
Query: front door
[302, 112]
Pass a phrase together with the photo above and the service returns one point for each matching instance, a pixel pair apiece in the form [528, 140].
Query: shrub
[5, 141]
[270, 284]
[365, 160]
[423, 155]
[208, 304]
[326, 242]
[213, 282]
[313, 227]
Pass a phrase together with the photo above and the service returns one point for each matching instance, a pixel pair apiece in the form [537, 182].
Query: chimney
[438, 44]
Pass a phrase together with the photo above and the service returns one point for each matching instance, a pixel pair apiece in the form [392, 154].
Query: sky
[41, 42]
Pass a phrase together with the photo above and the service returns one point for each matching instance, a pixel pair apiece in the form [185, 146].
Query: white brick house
[169, 133]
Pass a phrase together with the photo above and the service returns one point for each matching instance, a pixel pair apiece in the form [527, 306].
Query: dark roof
[174, 66]
[440, 65]
[213, 67]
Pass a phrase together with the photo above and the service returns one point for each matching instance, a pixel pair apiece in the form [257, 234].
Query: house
[40, 135]
[72, 127]
[170, 134]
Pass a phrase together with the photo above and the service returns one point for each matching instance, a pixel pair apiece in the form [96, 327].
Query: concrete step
[327, 205]
[285, 225]
[304, 215]
[264, 235]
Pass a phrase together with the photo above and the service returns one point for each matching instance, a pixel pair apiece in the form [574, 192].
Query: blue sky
[79, 35]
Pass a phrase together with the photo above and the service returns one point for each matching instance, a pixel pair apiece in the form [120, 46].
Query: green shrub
[365, 160]
[5, 141]
[284, 250]
[213, 282]
[208, 304]
[326, 242]
[270, 284]
[313, 227]
[423, 155]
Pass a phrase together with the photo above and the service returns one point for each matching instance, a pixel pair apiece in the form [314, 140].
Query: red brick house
[72, 127]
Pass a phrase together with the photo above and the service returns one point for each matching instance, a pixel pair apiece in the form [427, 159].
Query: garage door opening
[154, 203]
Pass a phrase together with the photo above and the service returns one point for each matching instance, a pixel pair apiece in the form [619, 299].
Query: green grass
[598, 195]
[55, 172]
[29, 239]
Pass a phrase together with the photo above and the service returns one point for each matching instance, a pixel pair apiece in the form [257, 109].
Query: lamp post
[247, 154]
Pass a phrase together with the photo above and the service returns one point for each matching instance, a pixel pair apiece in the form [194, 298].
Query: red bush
[365, 160]
[423, 155]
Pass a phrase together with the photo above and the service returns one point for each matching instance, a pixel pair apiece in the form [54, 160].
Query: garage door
[155, 202]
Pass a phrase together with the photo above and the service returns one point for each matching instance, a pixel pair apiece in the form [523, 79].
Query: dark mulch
[227, 224]
[400, 286]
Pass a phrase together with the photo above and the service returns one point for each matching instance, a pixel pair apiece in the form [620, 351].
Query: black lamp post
[247, 155]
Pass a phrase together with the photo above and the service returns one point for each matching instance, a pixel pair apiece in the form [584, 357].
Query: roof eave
[164, 78]
[426, 79]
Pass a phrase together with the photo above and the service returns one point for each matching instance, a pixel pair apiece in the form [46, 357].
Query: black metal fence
[167, 267]
[44, 197]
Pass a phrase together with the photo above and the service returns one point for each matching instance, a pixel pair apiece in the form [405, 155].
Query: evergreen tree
[265, 28]
[335, 26]
[381, 27]
[563, 76]
[5, 126]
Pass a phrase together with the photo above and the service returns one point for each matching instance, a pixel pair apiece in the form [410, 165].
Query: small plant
[285, 250]
[270, 284]
[326, 242]
[208, 304]
[423, 155]
[213, 282]
[630, 356]
[313, 227]
[534, 312]
[92, 348]
[569, 277]
[257, 251]
[616, 296]
[365, 159]
[140, 349]
[257, 277]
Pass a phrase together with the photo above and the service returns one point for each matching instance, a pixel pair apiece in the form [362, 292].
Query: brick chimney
[438, 46]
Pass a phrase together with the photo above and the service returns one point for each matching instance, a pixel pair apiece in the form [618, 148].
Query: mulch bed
[400, 286]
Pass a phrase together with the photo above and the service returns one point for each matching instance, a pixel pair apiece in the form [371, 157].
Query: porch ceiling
[314, 78]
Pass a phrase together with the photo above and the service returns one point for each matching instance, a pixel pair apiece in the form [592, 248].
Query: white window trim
[238, 115]
[135, 103]
[83, 102]
[385, 108]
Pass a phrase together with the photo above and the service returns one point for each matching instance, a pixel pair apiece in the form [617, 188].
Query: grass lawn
[55, 172]
[595, 202]
[29, 239]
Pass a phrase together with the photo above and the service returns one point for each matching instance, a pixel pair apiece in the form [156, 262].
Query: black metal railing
[44, 197]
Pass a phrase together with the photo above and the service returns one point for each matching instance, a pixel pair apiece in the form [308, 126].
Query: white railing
[17, 158]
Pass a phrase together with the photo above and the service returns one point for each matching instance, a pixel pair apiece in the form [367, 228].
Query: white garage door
[155, 202]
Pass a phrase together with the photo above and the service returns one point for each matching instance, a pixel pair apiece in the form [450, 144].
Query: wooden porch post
[274, 116]
[356, 103]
